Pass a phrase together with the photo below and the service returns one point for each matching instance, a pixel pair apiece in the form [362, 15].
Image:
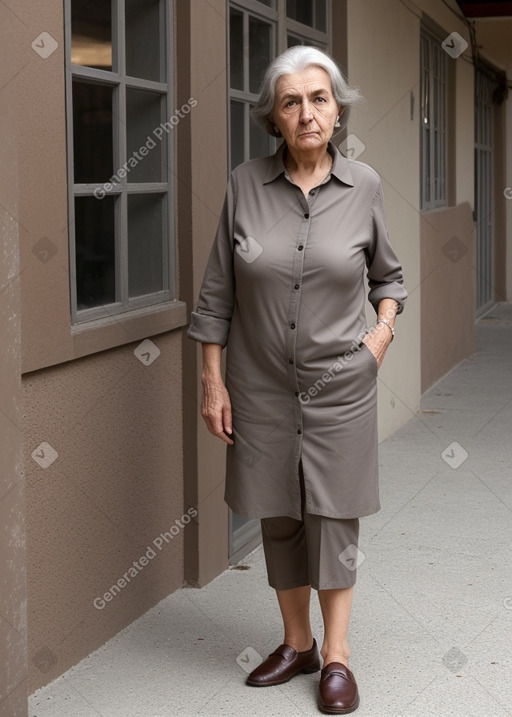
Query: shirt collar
[340, 166]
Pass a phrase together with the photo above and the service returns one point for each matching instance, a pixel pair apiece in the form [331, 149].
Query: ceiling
[485, 8]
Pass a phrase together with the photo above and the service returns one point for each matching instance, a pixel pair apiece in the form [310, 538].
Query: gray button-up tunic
[284, 290]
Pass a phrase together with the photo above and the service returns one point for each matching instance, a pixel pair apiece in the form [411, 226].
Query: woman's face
[305, 109]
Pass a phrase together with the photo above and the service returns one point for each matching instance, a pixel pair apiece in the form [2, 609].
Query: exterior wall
[387, 72]
[13, 622]
[114, 488]
[116, 424]
[448, 277]
[448, 281]
[447, 337]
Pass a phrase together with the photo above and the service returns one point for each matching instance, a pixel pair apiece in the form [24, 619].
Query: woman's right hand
[216, 409]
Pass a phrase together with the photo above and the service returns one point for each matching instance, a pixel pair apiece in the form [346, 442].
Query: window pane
[145, 56]
[300, 11]
[236, 49]
[268, 3]
[296, 40]
[259, 52]
[95, 251]
[91, 33]
[145, 244]
[292, 40]
[92, 133]
[237, 133]
[321, 15]
[144, 149]
[309, 12]
[260, 141]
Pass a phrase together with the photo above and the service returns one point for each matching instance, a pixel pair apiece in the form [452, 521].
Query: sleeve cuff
[208, 329]
[394, 291]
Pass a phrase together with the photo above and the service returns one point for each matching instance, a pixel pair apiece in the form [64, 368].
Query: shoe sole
[334, 711]
[305, 670]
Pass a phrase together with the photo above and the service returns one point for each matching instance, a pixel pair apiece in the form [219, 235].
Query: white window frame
[434, 121]
[282, 26]
[120, 82]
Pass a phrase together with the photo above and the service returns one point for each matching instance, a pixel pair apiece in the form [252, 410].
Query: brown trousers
[317, 551]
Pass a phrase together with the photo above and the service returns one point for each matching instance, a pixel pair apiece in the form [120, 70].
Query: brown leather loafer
[338, 690]
[283, 664]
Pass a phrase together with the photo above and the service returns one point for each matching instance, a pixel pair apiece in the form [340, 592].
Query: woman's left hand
[377, 340]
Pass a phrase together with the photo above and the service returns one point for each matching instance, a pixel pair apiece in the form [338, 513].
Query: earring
[337, 123]
[276, 130]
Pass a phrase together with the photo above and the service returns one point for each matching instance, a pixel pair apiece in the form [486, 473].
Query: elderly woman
[284, 290]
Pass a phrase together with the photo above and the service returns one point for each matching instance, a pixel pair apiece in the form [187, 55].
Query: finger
[224, 437]
[227, 419]
[215, 426]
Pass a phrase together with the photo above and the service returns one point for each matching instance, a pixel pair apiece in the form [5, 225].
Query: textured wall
[387, 72]
[448, 285]
[13, 623]
[115, 486]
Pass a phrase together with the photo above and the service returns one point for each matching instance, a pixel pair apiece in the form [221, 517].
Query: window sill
[102, 334]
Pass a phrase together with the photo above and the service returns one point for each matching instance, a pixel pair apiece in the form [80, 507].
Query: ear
[341, 110]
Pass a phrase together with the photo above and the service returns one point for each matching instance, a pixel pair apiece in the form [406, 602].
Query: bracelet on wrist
[383, 321]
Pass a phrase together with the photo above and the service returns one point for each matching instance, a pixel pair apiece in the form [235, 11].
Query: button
[290, 360]
[292, 326]
[312, 191]
[306, 216]
[299, 432]
[297, 286]
[300, 247]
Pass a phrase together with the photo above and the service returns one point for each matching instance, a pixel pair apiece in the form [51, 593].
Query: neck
[309, 162]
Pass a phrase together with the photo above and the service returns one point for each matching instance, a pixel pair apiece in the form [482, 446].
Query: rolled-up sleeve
[385, 276]
[210, 323]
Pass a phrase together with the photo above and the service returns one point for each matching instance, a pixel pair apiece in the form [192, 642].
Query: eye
[320, 99]
[290, 103]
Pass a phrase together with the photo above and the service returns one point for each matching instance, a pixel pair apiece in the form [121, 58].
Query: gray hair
[297, 59]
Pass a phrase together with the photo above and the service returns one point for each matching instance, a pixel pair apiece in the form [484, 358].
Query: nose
[306, 112]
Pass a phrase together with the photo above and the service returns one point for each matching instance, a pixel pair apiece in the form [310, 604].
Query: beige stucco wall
[387, 71]
[114, 488]
[383, 59]
[13, 618]
[448, 248]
